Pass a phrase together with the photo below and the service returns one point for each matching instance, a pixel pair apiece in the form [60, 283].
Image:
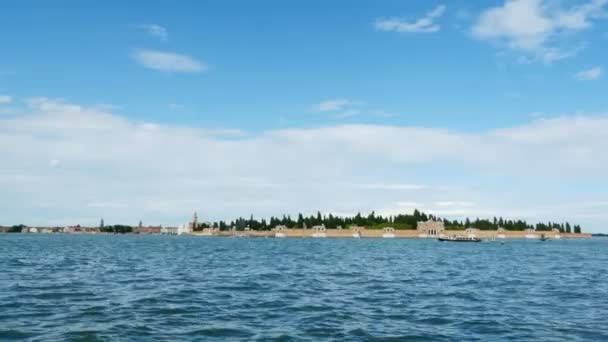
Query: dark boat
[543, 237]
[459, 238]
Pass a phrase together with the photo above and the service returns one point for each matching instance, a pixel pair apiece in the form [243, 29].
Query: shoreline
[399, 234]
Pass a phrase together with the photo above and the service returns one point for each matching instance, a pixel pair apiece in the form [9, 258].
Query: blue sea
[181, 288]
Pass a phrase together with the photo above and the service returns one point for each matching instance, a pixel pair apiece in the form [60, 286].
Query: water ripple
[123, 288]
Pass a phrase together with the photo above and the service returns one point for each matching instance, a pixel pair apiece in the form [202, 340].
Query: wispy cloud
[334, 105]
[589, 74]
[167, 61]
[4, 99]
[340, 108]
[426, 24]
[155, 30]
[532, 27]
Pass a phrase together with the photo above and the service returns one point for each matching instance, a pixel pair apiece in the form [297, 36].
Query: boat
[459, 238]
[543, 237]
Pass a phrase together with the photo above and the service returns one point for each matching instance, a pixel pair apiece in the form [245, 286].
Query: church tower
[194, 222]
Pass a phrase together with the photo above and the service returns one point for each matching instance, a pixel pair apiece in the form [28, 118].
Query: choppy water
[82, 287]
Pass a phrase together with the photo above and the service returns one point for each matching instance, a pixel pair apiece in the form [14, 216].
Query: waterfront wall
[377, 233]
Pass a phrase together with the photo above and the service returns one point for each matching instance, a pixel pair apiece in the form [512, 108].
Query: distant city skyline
[232, 108]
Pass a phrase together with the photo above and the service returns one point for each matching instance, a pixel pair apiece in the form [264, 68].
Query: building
[186, 228]
[430, 228]
[531, 234]
[501, 233]
[194, 223]
[77, 229]
[388, 232]
[280, 231]
[141, 229]
[210, 231]
[556, 233]
[471, 232]
[169, 230]
[319, 231]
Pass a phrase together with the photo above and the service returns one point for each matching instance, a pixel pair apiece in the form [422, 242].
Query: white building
[356, 231]
[169, 230]
[319, 231]
[430, 228]
[471, 232]
[388, 232]
[556, 233]
[531, 234]
[280, 231]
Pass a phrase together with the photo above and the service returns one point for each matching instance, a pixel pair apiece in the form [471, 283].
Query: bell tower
[194, 222]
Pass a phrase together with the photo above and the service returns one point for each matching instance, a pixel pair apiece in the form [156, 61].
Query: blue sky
[506, 82]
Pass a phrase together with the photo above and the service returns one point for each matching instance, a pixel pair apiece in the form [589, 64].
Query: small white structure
[556, 233]
[430, 228]
[501, 233]
[531, 234]
[356, 231]
[169, 230]
[319, 231]
[244, 233]
[209, 231]
[471, 232]
[185, 229]
[280, 232]
[388, 232]
[179, 230]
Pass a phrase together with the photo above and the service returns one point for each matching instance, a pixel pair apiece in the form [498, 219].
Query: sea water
[112, 287]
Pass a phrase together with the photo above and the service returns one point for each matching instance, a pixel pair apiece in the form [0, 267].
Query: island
[415, 225]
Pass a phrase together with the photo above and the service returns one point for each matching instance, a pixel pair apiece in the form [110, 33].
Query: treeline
[118, 229]
[373, 221]
[15, 228]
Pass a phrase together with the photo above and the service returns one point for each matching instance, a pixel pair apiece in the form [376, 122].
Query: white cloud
[425, 24]
[340, 108]
[5, 99]
[164, 172]
[589, 74]
[533, 26]
[344, 108]
[167, 61]
[333, 105]
[155, 30]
